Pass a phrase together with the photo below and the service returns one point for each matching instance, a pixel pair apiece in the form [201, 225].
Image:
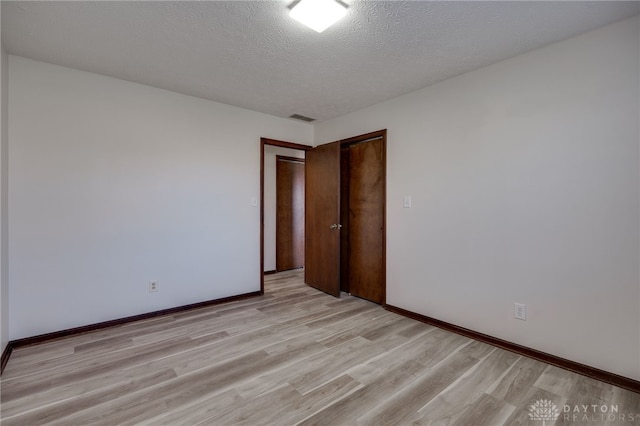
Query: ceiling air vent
[302, 117]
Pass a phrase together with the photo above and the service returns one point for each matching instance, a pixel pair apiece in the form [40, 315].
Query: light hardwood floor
[292, 356]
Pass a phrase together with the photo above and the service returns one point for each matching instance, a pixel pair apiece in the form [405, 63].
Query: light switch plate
[520, 311]
[406, 202]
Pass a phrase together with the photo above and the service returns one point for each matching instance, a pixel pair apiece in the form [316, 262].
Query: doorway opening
[269, 149]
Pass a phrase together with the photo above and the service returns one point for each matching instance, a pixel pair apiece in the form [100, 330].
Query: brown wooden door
[322, 212]
[289, 213]
[366, 195]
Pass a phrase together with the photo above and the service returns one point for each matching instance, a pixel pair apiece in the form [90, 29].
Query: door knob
[335, 226]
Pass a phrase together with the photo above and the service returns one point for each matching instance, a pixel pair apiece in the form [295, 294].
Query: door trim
[282, 144]
[290, 159]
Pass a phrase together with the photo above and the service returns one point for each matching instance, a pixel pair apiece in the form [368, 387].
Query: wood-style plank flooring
[292, 356]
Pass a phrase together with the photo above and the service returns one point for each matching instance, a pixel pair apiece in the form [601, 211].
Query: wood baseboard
[576, 367]
[270, 272]
[34, 340]
[6, 353]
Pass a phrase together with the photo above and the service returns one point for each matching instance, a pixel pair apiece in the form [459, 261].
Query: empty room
[312, 212]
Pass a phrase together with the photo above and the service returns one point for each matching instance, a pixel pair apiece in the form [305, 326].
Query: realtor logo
[544, 410]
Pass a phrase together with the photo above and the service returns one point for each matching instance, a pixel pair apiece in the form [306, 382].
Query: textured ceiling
[251, 54]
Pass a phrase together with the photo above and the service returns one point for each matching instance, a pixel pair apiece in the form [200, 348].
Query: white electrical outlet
[153, 286]
[406, 202]
[520, 311]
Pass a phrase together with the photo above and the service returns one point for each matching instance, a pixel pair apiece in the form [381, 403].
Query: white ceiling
[251, 54]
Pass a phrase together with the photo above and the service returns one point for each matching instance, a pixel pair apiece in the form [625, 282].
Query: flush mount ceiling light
[318, 14]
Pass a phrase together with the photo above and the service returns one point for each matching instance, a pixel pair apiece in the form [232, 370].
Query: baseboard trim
[6, 353]
[270, 272]
[34, 340]
[585, 370]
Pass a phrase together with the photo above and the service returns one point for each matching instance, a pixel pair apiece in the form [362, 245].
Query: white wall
[113, 184]
[525, 185]
[4, 254]
[270, 153]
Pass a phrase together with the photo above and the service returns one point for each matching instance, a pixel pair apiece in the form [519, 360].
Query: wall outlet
[520, 311]
[153, 286]
[406, 202]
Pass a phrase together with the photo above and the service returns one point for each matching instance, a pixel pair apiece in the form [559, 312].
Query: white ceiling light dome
[318, 14]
